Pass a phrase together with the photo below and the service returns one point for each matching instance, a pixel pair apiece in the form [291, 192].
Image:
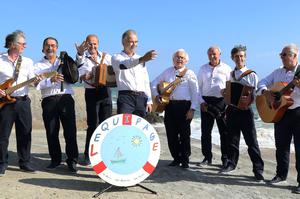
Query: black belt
[179, 101]
[136, 93]
[20, 97]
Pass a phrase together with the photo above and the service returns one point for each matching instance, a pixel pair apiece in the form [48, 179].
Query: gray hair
[181, 50]
[13, 38]
[293, 48]
[127, 33]
[92, 35]
[214, 47]
[237, 49]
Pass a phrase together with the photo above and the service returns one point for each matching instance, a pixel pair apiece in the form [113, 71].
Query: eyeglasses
[285, 54]
[21, 44]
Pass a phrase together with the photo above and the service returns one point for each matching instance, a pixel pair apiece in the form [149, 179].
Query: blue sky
[164, 25]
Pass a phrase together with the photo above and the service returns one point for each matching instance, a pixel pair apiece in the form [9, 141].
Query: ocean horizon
[264, 131]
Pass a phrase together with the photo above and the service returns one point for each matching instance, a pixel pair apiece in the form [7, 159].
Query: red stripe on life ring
[127, 118]
[100, 167]
[148, 167]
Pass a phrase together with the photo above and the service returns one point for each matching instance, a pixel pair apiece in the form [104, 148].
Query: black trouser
[20, 114]
[98, 108]
[178, 130]
[243, 121]
[55, 109]
[285, 129]
[207, 123]
[132, 102]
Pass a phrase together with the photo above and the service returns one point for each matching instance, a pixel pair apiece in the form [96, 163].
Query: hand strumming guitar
[2, 93]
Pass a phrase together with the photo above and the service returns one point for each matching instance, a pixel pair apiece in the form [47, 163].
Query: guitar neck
[172, 85]
[286, 88]
[14, 88]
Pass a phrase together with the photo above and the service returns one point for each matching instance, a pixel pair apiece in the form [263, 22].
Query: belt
[179, 101]
[20, 97]
[136, 93]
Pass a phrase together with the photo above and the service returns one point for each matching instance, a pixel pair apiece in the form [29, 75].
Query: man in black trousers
[58, 106]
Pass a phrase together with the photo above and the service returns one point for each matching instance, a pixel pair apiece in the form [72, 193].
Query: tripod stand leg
[102, 191]
[150, 190]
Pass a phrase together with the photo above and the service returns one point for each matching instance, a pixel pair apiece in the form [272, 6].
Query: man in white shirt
[180, 110]
[97, 98]
[242, 120]
[58, 106]
[212, 79]
[132, 77]
[288, 127]
[20, 68]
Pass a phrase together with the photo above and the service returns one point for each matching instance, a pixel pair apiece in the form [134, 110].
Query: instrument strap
[247, 72]
[18, 66]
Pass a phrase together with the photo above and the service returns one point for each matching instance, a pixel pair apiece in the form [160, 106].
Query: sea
[265, 131]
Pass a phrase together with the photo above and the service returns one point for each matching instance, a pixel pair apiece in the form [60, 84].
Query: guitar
[274, 112]
[6, 86]
[164, 89]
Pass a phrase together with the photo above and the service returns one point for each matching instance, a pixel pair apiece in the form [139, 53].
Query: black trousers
[132, 102]
[207, 123]
[243, 121]
[98, 108]
[20, 114]
[178, 130]
[286, 129]
[55, 109]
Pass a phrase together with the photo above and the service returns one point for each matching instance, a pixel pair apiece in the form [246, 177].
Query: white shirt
[47, 87]
[212, 80]
[281, 75]
[7, 69]
[87, 64]
[185, 90]
[134, 76]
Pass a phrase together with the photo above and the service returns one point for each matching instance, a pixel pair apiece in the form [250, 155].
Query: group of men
[207, 89]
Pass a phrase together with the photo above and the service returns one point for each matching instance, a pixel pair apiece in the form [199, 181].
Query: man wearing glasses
[288, 127]
[20, 68]
[97, 99]
[58, 106]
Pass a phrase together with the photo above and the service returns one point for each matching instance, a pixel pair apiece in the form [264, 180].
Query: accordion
[103, 75]
[238, 95]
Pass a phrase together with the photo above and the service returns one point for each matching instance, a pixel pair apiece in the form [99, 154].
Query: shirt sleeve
[265, 83]
[194, 90]
[200, 84]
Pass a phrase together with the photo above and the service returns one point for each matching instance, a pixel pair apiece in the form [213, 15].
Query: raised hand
[81, 48]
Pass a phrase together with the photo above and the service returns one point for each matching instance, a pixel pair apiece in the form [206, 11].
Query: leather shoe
[2, 171]
[277, 180]
[174, 163]
[259, 177]
[52, 166]
[228, 169]
[72, 167]
[86, 162]
[185, 165]
[204, 162]
[27, 168]
[297, 189]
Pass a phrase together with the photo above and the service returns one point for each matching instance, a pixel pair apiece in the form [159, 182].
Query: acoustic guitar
[6, 86]
[164, 89]
[271, 113]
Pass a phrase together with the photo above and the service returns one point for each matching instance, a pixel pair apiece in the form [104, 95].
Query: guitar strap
[297, 73]
[179, 76]
[17, 69]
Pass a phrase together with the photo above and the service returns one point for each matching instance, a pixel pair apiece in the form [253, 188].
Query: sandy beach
[168, 182]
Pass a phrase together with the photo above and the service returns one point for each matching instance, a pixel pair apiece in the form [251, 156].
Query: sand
[168, 182]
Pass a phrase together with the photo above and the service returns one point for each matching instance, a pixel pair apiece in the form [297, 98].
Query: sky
[264, 26]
